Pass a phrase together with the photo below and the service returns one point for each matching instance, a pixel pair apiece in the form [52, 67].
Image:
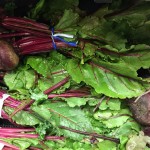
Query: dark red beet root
[141, 109]
[8, 58]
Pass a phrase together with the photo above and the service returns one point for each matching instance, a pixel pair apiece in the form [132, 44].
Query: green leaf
[107, 145]
[21, 78]
[38, 95]
[63, 115]
[23, 117]
[103, 115]
[40, 64]
[127, 129]
[42, 129]
[53, 70]
[42, 111]
[93, 102]
[137, 142]
[47, 65]
[44, 83]
[124, 63]
[23, 143]
[113, 118]
[75, 101]
[112, 104]
[34, 13]
[115, 122]
[52, 10]
[104, 81]
[68, 19]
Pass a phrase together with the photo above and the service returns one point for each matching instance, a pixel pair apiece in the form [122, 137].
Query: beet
[141, 109]
[8, 58]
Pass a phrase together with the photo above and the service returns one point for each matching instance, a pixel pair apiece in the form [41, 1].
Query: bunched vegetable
[8, 58]
[77, 91]
[141, 108]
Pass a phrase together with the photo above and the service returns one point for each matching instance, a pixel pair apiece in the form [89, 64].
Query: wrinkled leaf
[76, 101]
[22, 78]
[104, 81]
[63, 115]
[23, 117]
[112, 104]
[107, 145]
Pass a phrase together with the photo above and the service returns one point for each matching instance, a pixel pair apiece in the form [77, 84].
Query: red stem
[68, 95]
[24, 135]
[44, 47]
[7, 35]
[27, 27]
[26, 21]
[23, 105]
[59, 84]
[33, 44]
[31, 41]
[15, 130]
[33, 32]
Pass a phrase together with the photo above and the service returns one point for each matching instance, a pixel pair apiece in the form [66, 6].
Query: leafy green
[104, 81]
[63, 115]
[68, 19]
[115, 122]
[43, 129]
[137, 142]
[21, 78]
[51, 9]
[23, 117]
[127, 129]
[112, 45]
[23, 143]
[47, 65]
[107, 145]
[40, 64]
[75, 101]
[112, 104]
[35, 12]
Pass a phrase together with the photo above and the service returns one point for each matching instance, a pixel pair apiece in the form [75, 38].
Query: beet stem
[8, 35]
[91, 134]
[33, 32]
[24, 135]
[59, 84]
[27, 27]
[14, 130]
[68, 95]
[10, 145]
[26, 21]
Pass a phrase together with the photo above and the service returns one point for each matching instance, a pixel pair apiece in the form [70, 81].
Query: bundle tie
[60, 36]
[4, 97]
[1, 146]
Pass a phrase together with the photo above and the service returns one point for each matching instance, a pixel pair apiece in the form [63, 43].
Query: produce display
[70, 80]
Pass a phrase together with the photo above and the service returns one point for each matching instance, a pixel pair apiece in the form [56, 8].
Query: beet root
[8, 58]
[141, 109]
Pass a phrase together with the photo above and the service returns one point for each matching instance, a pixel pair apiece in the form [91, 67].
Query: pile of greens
[81, 93]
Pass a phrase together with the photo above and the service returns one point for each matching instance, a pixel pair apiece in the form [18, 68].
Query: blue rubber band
[72, 44]
[53, 41]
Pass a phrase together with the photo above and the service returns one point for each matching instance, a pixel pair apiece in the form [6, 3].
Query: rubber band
[1, 146]
[4, 97]
[59, 36]
[64, 35]
[52, 36]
